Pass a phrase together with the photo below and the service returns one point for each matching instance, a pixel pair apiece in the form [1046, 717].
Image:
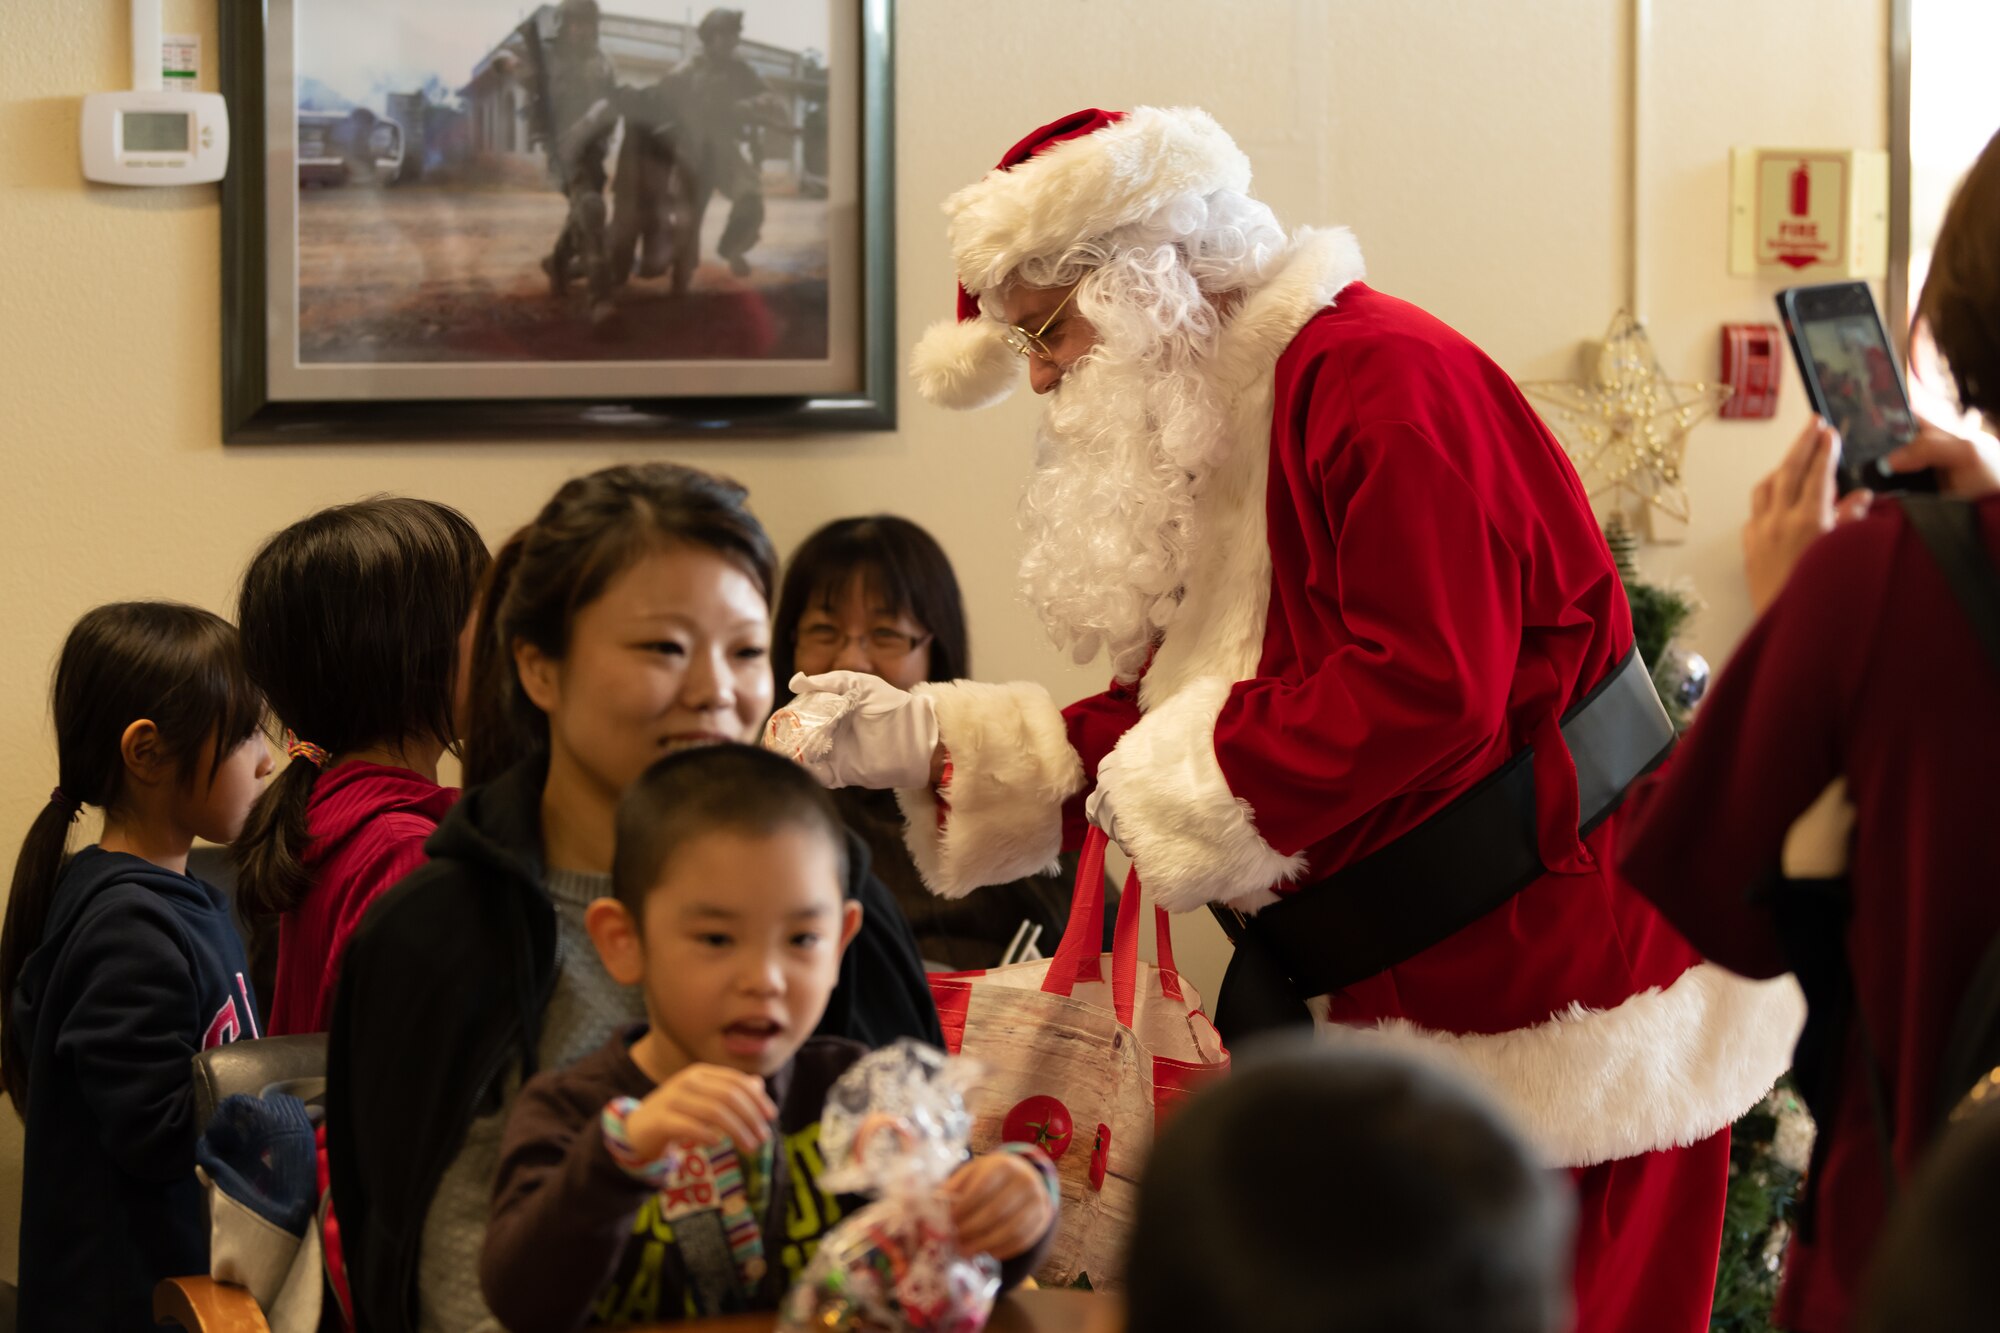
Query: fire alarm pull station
[1751, 359]
[149, 136]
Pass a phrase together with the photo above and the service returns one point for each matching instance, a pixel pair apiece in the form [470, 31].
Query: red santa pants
[1648, 1231]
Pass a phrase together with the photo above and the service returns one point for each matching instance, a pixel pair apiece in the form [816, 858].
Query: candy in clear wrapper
[893, 1266]
[896, 1120]
[803, 729]
[895, 1126]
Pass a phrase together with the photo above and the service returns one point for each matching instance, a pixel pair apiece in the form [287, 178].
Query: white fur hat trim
[1085, 187]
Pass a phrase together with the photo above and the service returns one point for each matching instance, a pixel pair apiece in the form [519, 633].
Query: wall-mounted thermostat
[137, 138]
[148, 136]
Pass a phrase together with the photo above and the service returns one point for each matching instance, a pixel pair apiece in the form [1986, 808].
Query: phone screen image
[1862, 393]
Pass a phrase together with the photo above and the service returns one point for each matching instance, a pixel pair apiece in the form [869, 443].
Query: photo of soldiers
[571, 115]
[553, 203]
[727, 105]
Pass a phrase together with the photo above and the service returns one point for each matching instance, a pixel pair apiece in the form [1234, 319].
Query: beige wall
[1477, 148]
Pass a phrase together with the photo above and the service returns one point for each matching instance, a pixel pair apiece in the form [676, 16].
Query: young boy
[1321, 1191]
[675, 1173]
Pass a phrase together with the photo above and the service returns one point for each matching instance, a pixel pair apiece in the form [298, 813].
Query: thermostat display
[155, 138]
[154, 132]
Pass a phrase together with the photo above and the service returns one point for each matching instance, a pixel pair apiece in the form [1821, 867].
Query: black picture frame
[251, 415]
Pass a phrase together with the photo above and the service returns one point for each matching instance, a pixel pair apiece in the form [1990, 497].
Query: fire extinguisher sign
[1801, 209]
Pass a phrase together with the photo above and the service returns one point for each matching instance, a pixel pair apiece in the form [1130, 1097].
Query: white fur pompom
[964, 364]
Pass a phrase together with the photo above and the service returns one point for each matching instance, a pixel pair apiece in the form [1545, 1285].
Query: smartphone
[1851, 379]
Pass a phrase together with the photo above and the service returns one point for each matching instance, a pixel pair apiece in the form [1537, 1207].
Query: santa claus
[1375, 694]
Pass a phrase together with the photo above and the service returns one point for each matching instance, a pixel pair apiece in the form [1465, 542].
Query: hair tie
[306, 750]
[63, 801]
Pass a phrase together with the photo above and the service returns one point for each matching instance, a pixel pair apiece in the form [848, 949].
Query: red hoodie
[366, 826]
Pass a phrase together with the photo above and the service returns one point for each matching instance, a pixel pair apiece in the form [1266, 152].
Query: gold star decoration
[1624, 423]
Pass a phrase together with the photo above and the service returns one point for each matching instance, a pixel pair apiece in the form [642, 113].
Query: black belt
[1463, 862]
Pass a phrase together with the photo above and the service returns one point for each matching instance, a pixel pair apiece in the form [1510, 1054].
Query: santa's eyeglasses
[1031, 344]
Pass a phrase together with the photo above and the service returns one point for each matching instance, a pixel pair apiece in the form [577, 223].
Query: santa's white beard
[1109, 511]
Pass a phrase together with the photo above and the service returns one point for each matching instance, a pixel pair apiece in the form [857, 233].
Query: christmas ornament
[1625, 423]
[1683, 676]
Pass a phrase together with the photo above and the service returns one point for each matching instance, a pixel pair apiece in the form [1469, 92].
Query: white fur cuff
[964, 364]
[1011, 770]
[1665, 1069]
[1193, 839]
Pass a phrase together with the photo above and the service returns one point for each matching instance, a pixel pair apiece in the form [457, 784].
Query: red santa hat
[1080, 177]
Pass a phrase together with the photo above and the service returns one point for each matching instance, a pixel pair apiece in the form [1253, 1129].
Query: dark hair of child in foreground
[1322, 1191]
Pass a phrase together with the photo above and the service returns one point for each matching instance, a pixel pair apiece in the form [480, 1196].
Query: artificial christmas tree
[1658, 615]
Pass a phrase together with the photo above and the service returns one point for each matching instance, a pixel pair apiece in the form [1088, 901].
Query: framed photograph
[483, 219]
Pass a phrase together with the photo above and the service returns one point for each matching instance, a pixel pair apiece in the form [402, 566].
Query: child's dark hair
[593, 529]
[739, 788]
[351, 620]
[899, 564]
[1345, 1192]
[178, 666]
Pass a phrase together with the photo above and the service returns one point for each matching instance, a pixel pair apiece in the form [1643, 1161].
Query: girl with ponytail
[353, 620]
[117, 967]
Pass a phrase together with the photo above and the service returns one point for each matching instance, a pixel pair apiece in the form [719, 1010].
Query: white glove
[851, 729]
[1097, 809]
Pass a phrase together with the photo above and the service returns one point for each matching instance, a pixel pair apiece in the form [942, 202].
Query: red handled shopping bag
[1084, 1053]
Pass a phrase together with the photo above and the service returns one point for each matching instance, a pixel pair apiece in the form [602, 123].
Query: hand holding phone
[1850, 376]
[1792, 508]
[1963, 468]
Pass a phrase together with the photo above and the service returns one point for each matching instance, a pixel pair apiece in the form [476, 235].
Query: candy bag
[895, 1127]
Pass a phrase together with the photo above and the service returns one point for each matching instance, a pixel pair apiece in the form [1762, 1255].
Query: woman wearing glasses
[878, 595]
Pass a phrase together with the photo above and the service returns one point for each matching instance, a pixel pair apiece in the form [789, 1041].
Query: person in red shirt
[1863, 670]
[354, 626]
[1353, 595]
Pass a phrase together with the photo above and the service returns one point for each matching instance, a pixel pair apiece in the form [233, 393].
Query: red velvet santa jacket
[1399, 584]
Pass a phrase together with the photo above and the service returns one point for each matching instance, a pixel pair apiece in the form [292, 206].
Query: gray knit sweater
[586, 1007]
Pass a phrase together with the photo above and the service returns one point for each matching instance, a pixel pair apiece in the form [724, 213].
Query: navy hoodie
[138, 970]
